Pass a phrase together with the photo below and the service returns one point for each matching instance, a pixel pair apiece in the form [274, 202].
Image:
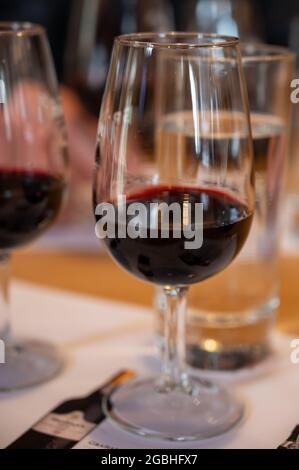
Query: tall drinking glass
[174, 199]
[233, 328]
[33, 171]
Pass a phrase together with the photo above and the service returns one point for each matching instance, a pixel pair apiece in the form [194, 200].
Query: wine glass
[174, 164]
[33, 178]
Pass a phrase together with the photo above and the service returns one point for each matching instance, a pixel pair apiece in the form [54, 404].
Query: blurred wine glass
[233, 17]
[33, 178]
[93, 26]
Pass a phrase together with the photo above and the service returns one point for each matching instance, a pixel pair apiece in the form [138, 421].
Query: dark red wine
[167, 261]
[29, 203]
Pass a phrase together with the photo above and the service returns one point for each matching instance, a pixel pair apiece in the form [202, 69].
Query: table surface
[98, 338]
[97, 275]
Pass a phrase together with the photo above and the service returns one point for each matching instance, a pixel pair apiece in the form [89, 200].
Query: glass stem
[174, 374]
[5, 328]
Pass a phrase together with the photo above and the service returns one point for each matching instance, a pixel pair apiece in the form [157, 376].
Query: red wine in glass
[167, 261]
[29, 203]
[174, 129]
[33, 179]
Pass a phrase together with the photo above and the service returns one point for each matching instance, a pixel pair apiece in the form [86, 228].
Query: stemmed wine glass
[174, 199]
[33, 178]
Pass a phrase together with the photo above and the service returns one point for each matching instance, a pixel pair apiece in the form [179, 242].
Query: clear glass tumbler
[231, 315]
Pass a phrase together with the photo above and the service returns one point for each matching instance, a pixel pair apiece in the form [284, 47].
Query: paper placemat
[101, 337]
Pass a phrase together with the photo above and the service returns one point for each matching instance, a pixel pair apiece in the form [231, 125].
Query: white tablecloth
[102, 337]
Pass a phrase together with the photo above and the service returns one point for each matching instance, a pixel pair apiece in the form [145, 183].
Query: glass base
[233, 358]
[29, 363]
[207, 410]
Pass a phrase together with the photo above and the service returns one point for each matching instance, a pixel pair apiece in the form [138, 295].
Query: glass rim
[262, 52]
[208, 40]
[19, 28]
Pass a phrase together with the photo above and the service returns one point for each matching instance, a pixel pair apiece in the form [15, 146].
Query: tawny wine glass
[174, 145]
[33, 179]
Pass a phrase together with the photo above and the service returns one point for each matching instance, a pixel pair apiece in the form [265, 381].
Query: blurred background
[81, 34]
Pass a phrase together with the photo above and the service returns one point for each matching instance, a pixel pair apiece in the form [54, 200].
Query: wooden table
[97, 275]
